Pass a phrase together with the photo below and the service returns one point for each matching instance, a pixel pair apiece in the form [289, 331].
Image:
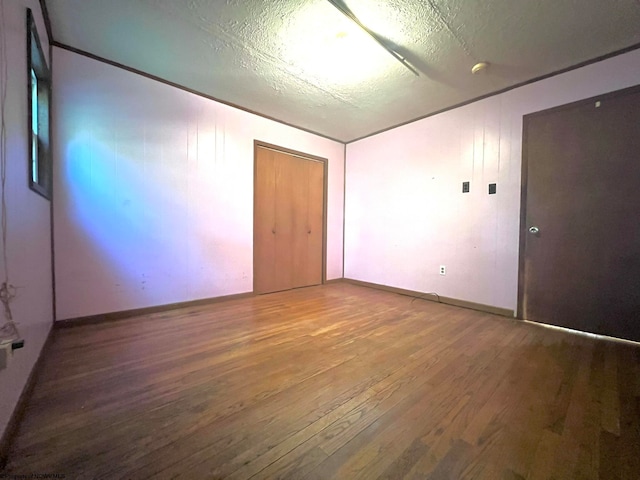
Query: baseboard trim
[136, 312]
[18, 412]
[505, 312]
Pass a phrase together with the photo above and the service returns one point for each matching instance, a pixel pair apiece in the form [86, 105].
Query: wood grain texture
[289, 220]
[315, 221]
[297, 248]
[264, 224]
[333, 381]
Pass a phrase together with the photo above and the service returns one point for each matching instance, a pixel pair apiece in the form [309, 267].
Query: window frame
[39, 159]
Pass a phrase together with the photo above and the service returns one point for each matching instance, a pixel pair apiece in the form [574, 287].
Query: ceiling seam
[450, 29]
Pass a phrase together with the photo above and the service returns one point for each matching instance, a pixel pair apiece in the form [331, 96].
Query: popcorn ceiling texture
[241, 51]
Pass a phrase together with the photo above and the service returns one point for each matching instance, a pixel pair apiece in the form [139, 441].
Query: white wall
[405, 214]
[154, 190]
[29, 223]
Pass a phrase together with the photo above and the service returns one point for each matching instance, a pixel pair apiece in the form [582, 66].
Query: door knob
[534, 230]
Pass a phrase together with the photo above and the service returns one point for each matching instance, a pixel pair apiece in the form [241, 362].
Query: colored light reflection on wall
[118, 208]
[163, 224]
[156, 215]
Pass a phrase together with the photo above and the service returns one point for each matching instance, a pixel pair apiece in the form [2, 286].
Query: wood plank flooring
[337, 381]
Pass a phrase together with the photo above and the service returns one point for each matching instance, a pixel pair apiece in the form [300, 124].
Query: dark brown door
[580, 235]
[288, 221]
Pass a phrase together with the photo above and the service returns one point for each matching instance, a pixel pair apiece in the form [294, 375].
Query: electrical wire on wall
[9, 330]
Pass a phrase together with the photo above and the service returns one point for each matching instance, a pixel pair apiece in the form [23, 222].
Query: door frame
[325, 183]
[525, 172]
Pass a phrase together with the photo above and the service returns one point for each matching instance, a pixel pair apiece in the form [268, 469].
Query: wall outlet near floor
[443, 270]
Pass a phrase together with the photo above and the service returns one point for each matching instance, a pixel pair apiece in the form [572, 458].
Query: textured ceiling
[303, 62]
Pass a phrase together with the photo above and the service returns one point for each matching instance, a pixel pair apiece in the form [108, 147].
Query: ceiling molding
[299, 64]
[512, 87]
[453, 107]
[186, 89]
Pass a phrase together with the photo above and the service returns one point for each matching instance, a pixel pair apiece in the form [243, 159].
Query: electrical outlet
[443, 270]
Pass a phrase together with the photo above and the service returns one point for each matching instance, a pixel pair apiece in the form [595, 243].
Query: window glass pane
[34, 159]
[39, 87]
[34, 102]
[34, 126]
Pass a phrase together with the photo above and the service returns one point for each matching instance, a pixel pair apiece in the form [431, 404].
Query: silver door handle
[534, 230]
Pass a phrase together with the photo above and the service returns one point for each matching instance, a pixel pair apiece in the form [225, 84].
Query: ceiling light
[342, 8]
[325, 47]
[479, 67]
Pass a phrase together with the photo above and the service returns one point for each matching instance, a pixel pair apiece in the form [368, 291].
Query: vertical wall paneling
[405, 213]
[154, 191]
[28, 214]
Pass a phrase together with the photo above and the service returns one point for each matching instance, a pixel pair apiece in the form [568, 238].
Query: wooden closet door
[315, 223]
[264, 221]
[296, 247]
[288, 221]
[286, 213]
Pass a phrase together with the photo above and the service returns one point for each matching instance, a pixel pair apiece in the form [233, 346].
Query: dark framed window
[39, 94]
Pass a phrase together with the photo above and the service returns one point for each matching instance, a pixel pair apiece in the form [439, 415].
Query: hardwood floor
[337, 381]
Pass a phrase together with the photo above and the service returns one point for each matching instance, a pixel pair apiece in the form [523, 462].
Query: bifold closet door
[288, 221]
